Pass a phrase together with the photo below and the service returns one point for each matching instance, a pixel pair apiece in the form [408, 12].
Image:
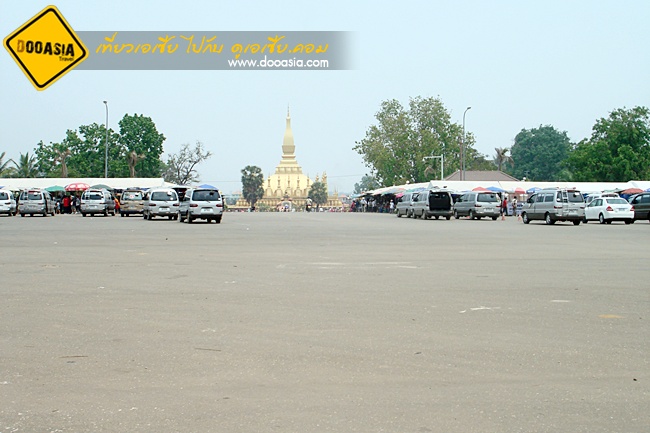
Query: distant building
[288, 187]
[479, 176]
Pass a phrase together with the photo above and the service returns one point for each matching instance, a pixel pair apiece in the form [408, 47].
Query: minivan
[641, 203]
[477, 204]
[161, 202]
[35, 201]
[434, 203]
[7, 203]
[405, 204]
[201, 203]
[551, 205]
[97, 201]
[131, 202]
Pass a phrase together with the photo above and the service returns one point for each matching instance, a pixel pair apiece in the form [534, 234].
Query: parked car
[477, 205]
[405, 204]
[160, 202]
[131, 202]
[608, 209]
[434, 203]
[7, 203]
[97, 201]
[201, 203]
[641, 203]
[551, 205]
[35, 202]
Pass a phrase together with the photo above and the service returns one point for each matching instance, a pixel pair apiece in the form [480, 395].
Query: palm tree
[134, 158]
[61, 157]
[26, 166]
[5, 170]
[502, 158]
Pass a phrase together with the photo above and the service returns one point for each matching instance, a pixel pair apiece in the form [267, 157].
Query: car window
[645, 199]
[205, 195]
[488, 197]
[575, 197]
[34, 196]
[598, 202]
[548, 197]
[616, 201]
[163, 196]
[539, 198]
[4, 195]
[93, 196]
[131, 195]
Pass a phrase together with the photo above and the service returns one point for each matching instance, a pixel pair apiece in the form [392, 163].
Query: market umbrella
[77, 186]
[495, 189]
[481, 189]
[630, 191]
[101, 186]
[55, 188]
[532, 190]
[519, 191]
[205, 185]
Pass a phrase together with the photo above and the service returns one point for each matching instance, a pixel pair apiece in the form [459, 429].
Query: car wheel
[548, 220]
[399, 215]
[456, 214]
[601, 219]
[437, 216]
[494, 218]
[447, 218]
[218, 220]
[629, 221]
[22, 214]
[144, 215]
[170, 217]
[524, 218]
[105, 212]
[180, 217]
[189, 218]
[584, 220]
[576, 222]
[609, 221]
[471, 215]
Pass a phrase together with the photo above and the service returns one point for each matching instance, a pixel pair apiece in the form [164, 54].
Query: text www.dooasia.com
[266, 63]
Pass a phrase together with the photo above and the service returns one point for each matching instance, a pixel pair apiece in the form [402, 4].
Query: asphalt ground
[296, 322]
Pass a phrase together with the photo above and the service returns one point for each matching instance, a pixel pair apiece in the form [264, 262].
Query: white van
[7, 203]
[405, 204]
[477, 204]
[35, 201]
[162, 202]
[551, 205]
[97, 201]
[434, 203]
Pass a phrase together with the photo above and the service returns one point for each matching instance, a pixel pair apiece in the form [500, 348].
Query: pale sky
[518, 64]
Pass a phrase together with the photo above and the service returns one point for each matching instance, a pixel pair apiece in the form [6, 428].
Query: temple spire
[288, 147]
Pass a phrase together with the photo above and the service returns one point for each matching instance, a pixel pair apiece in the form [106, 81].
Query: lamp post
[442, 164]
[106, 144]
[462, 148]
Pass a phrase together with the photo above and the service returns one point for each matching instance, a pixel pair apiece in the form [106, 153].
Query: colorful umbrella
[55, 188]
[101, 186]
[630, 191]
[77, 186]
[495, 189]
[481, 189]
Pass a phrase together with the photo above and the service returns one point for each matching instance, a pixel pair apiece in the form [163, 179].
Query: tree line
[136, 150]
[398, 148]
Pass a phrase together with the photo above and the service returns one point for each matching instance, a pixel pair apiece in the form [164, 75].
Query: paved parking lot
[297, 322]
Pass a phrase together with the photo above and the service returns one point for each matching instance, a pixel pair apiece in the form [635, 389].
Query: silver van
[434, 203]
[160, 202]
[131, 202]
[551, 205]
[35, 201]
[201, 203]
[7, 203]
[478, 204]
[405, 204]
[97, 201]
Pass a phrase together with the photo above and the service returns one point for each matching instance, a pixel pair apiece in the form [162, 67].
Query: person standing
[504, 208]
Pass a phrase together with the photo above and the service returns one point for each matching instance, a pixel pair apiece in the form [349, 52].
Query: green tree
[139, 137]
[618, 150]
[5, 169]
[368, 183]
[501, 157]
[479, 162]
[540, 153]
[252, 181]
[181, 167]
[318, 193]
[26, 166]
[394, 149]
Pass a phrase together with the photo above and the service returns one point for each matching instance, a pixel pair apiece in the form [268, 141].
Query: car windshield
[132, 195]
[93, 196]
[490, 198]
[4, 195]
[32, 196]
[205, 195]
[163, 196]
[616, 201]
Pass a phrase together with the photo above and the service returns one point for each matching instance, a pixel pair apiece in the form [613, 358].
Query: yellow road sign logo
[45, 47]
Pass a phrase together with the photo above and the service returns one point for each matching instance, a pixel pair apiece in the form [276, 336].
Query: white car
[7, 203]
[608, 209]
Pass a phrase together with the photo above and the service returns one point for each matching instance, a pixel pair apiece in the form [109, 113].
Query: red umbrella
[520, 191]
[77, 186]
[630, 191]
[481, 189]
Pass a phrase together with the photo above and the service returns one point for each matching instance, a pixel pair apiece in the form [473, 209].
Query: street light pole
[106, 144]
[462, 148]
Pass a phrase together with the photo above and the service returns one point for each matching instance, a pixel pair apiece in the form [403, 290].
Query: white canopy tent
[18, 184]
